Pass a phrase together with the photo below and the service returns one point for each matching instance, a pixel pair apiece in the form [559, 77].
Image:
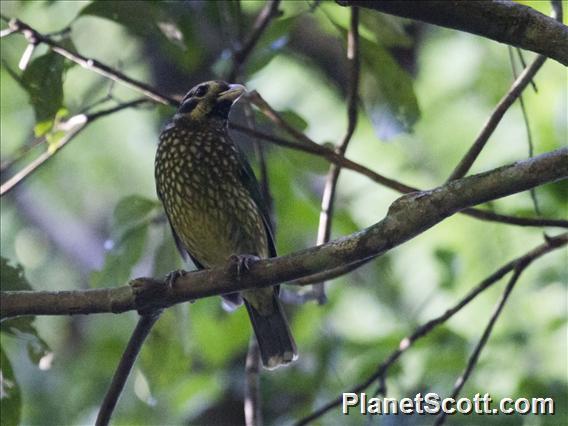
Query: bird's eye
[201, 91]
[188, 106]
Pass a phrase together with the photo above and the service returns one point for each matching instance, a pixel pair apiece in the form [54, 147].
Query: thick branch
[503, 21]
[407, 217]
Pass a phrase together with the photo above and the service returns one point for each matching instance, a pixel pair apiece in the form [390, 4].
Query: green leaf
[272, 42]
[448, 262]
[167, 258]
[294, 119]
[386, 89]
[131, 211]
[386, 29]
[10, 396]
[121, 258]
[218, 335]
[129, 232]
[127, 13]
[387, 92]
[138, 19]
[23, 329]
[12, 278]
[43, 80]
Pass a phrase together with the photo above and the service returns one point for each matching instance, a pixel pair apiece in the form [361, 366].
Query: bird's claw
[173, 276]
[243, 262]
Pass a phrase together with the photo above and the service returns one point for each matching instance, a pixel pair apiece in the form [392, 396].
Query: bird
[214, 205]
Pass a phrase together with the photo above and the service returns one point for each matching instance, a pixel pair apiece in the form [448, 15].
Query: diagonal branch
[425, 329]
[472, 362]
[34, 37]
[489, 127]
[268, 12]
[74, 125]
[408, 216]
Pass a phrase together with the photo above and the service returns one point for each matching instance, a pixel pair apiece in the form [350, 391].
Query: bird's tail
[276, 344]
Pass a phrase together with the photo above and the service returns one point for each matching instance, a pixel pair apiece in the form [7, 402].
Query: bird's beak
[233, 93]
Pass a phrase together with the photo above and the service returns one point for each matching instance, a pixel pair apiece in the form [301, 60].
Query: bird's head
[209, 100]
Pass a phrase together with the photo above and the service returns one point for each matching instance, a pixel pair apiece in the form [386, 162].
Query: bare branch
[143, 327]
[407, 217]
[328, 197]
[472, 362]
[489, 127]
[425, 329]
[503, 21]
[268, 12]
[35, 37]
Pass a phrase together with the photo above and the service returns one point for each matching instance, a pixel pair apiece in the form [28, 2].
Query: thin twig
[143, 327]
[35, 37]
[425, 329]
[330, 155]
[328, 197]
[74, 125]
[255, 98]
[472, 361]
[268, 12]
[253, 400]
[530, 144]
[489, 127]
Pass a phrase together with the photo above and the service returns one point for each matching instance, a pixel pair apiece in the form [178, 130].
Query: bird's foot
[152, 295]
[242, 262]
[173, 276]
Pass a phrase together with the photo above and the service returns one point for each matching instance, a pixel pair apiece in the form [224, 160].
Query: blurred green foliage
[90, 217]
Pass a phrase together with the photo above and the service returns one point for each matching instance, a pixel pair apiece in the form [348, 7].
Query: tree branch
[503, 21]
[472, 362]
[422, 331]
[74, 125]
[407, 217]
[268, 12]
[35, 37]
[328, 197]
[489, 127]
[330, 155]
[143, 327]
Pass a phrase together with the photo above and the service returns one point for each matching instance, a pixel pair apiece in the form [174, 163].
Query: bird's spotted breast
[197, 177]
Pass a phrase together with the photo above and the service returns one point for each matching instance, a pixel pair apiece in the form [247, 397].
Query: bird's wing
[251, 184]
[185, 255]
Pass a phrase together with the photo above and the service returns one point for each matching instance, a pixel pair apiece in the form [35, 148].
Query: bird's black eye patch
[188, 106]
[201, 90]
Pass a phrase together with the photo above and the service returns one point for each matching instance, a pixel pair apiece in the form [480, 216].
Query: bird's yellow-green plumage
[214, 206]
